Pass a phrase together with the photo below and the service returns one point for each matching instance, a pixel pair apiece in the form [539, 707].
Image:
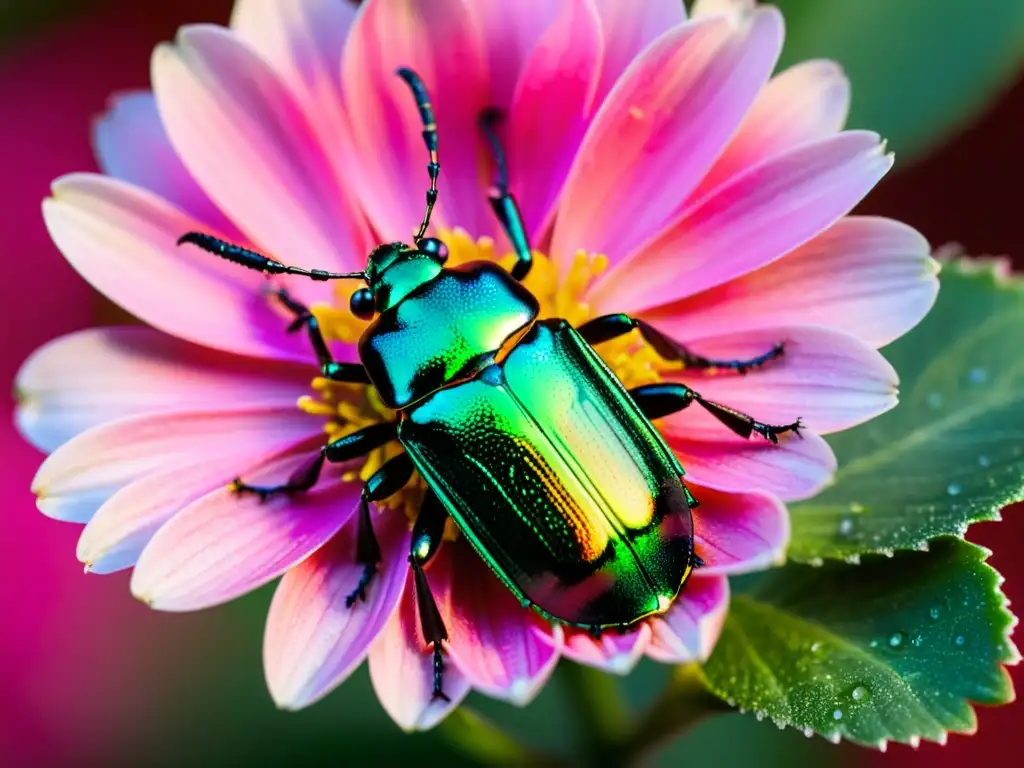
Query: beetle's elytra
[551, 469]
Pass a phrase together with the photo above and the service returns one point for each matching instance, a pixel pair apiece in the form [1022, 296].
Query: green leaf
[919, 68]
[895, 649]
[952, 452]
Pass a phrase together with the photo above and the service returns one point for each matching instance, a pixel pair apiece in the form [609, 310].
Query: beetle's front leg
[608, 327]
[353, 373]
[658, 400]
[502, 202]
[427, 535]
[339, 451]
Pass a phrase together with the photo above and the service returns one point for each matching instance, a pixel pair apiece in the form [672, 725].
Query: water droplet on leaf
[838, 714]
[935, 612]
[897, 640]
[977, 376]
[860, 693]
[934, 400]
[845, 526]
[953, 489]
[959, 640]
[984, 461]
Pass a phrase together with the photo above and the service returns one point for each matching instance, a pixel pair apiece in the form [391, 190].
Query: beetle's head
[393, 271]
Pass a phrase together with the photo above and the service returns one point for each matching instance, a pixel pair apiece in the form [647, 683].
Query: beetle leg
[502, 201]
[608, 327]
[657, 400]
[339, 451]
[427, 534]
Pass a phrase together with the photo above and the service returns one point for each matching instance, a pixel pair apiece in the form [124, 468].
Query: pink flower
[716, 194]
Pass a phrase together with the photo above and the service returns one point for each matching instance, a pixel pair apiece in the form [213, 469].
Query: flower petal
[556, 88]
[313, 639]
[443, 42]
[225, 545]
[82, 474]
[505, 651]
[122, 239]
[739, 532]
[689, 630]
[131, 145]
[796, 468]
[754, 219]
[87, 378]
[674, 108]
[511, 30]
[401, 662]
[243, 136]
[826, 378]
[872, 278]
[628, 28]
[807, 102]
[614, 651]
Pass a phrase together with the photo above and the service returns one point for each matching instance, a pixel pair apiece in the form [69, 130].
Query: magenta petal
[872, 278]
[614, 651]
[503, 649]
[122, 239]
[689, 630]
[225, 545]
[756, 218]
[511, 30]
[807, 102]
[660, 129]
[243, 136]
[628, 28]
[796, 468]
[556, 88]
[82, 474]
[401, 662]
[739, 532]
[313, 639]
[443, 42]
[98, 375]
[131, 145]
[826, 378]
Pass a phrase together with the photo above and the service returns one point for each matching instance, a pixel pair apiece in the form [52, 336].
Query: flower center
[347, 408]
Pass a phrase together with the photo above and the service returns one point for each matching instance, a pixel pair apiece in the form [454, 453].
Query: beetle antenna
[259, 262]
[419, 90]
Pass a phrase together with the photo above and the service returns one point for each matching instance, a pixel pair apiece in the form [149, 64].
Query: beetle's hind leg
[427, 535]
[608, 327]
[658, 400]
[502, 201]
[353, 373]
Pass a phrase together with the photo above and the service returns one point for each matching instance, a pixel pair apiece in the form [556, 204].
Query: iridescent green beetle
[549, 466]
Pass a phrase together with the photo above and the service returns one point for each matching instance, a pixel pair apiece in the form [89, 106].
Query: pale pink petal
[756, 218]
[303, 41]
[504, 650]
[128, 519]
[739, 532]
[122, 239]
[689, 629]
[511, 30]
[101, 374]
[243, 136]
[872, 278]
[443, 42]
[313, 639]
[660, 129]
[131, 145]
[826, 378]
[734, 8]
[224, 545]
[628, 28]
[401, 661]
[807, 102]
[556, 88]
[614, 651]
[83, 473]
[796, 468]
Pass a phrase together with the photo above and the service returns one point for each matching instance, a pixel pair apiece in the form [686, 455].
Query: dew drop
[897, 640]
[857, 508]
[874, 643]
[953, 489]
[934, 400]
[837, 715]
[860, 693]
[984, 461]
[917, 640]
[959, 640]
[809, 732]
[935, 612]
[977, 376]
[759, 714]
[845, 526]
[815, 647]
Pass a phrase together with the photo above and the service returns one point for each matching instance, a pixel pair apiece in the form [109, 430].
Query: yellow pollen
[560, 293]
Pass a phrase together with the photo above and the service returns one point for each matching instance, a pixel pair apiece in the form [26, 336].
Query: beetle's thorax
[436, 329]
[395, 270]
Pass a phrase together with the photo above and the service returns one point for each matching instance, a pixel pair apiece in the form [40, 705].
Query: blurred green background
[88, 676]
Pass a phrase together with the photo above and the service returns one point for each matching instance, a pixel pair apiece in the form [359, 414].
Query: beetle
[549, 466]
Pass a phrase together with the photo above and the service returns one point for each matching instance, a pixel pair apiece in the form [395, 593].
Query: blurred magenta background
[89, 676]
